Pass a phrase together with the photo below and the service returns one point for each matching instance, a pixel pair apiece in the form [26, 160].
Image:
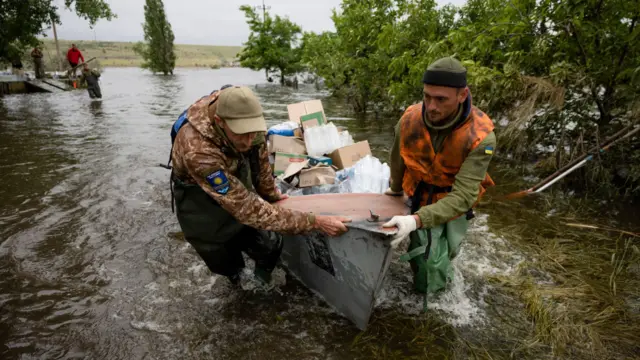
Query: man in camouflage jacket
[224, 187]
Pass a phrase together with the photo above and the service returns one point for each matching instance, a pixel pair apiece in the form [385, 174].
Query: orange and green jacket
[467, 141]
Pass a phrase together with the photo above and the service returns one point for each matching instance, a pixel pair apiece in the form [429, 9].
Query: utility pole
[55, 36]
[264, 12]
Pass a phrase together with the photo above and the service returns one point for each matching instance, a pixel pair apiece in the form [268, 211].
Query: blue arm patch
[219, 182]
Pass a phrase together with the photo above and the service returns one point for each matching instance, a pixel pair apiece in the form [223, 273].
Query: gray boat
[346, 271]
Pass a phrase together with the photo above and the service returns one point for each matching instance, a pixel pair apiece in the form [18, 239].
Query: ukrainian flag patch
[488, 150]
[219, 182]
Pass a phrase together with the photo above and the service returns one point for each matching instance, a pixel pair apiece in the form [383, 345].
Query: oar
[575, 164]
[82, 63]
[70, 71]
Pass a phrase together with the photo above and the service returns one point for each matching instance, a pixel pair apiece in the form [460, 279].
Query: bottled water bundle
[345, 139]
[321, 140]
[324, 139]
[367, 176]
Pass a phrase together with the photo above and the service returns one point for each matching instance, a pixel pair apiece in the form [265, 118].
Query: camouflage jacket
[90, 77]
[203, 156]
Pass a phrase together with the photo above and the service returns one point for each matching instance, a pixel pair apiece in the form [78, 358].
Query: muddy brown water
[92, 265]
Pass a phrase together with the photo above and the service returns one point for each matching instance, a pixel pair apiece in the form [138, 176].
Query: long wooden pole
[577, 163]
[55, 36]
[591, 151]
[82, 63]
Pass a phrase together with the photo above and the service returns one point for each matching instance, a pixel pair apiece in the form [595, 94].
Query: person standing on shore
[38, 66]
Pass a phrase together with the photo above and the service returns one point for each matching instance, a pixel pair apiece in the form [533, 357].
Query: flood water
[92, 266]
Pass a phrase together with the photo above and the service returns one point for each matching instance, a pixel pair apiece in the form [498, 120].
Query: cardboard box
[312, 120]
[283, 160]
[349, 155]
[295, 111]
[286, 144]
[293, 169]
[315, 160]
[304, 108]
[318, 175]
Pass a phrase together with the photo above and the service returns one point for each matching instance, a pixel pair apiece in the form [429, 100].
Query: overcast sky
[206, 22]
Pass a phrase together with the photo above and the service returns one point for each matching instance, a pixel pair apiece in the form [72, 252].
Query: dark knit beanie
[446, 72]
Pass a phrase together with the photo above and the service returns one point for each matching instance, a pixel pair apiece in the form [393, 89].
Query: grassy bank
[121, 54]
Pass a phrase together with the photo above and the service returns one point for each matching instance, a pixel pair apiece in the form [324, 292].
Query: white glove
[405, 225]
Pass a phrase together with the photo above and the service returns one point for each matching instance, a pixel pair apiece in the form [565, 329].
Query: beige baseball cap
[241, 111]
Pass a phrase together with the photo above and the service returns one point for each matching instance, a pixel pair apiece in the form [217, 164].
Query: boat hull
[346, 271]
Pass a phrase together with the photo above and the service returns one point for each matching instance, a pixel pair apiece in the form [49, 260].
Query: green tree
[322, 55]
[350, 60]
[157, 50]
[564, 74]
[579, 61]
[272, 44]
[22, 21]
[407, 43]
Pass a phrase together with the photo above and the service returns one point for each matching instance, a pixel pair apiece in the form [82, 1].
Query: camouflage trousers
[219, 238]
[38, 68]
[94, 91]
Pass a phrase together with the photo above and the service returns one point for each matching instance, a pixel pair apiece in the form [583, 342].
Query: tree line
[22, 21]
[559, 75]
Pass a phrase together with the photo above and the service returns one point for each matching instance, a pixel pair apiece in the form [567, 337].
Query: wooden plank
[58, 84]
[43, 86]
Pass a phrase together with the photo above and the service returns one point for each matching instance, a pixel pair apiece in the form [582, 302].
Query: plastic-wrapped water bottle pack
[345, 138]
[368, 175]
[321, 140]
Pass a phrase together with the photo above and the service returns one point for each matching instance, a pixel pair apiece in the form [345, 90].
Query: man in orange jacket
[439, 159]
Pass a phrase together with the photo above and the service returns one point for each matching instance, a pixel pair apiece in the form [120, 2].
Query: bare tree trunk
[55, 36]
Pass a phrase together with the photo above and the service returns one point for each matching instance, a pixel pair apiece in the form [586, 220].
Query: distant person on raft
[38, 66]
[439, 159]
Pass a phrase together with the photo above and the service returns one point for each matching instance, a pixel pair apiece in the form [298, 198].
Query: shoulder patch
[218, 181]
[488, 150]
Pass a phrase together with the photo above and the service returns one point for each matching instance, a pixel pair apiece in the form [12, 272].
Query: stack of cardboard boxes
[291, 162]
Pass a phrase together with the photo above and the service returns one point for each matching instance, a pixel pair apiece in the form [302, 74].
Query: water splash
[483, 254]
